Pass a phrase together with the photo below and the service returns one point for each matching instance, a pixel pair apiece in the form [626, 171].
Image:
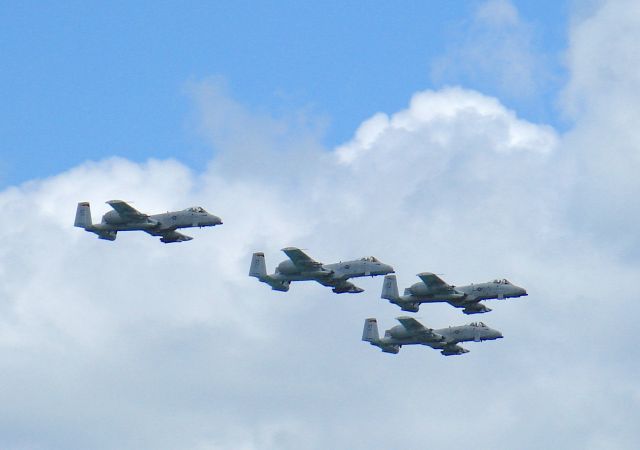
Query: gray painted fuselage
[301, 267]
[126, 218]
[466, 297]
[169, 221]
[443, 339]
[364, 267]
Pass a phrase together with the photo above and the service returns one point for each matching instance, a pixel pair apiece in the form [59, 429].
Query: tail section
[390, 288]
[83, 216]
[370, 332]
[258, 267]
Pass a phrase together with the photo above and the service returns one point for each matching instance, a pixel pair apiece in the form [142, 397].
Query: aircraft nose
[215, 220]
[499, 335]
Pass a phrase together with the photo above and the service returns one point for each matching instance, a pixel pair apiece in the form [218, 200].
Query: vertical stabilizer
[390, 288]
[370, 331]
[258, 267]
[83, 216]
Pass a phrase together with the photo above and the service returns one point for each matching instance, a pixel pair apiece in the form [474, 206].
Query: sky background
[88, 80]
[477, 140]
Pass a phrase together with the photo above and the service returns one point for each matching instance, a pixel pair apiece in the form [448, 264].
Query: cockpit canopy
[196, 209]
[370, 259]
[478, 324]
[503, 281]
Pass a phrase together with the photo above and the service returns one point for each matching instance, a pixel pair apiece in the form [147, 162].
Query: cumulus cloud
[136, 344]
[601, 97]
[433, 115]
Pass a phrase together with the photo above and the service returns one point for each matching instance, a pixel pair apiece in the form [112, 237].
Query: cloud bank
[135, 344]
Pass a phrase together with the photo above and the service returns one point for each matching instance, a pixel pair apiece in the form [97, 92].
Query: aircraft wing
[127, 211]
[433, 281]
[411, 324]
[301, 259]
[426, 335]
[170, 236]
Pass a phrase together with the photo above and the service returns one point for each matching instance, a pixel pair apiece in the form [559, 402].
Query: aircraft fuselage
[461, 295]
[288, 271]
[112, 221]
[399, 335]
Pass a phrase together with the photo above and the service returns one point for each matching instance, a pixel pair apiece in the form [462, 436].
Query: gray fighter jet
[412, 332]
[300, 267]
[126, 218]
[432, 289]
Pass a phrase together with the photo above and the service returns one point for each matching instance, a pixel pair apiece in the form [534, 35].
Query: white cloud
[135, 344]
[499, 12]
[601, 97]
[435, 116]
[496, 49]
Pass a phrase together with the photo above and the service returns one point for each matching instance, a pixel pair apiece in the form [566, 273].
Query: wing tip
[425, 274]
[404, 317]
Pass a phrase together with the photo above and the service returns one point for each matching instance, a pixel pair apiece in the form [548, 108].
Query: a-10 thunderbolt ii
[432, 289]
[301, 267]
[412, 332]
[126, 218]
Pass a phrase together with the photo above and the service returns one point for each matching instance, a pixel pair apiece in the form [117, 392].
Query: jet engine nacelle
[152, 223]
[113, 218]
[398, 332]
[287, 268]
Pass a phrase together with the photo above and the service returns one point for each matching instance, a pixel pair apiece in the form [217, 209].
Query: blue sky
[87, 80]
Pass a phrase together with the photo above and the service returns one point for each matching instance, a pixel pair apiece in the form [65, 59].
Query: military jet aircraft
[300, 267]
[126, 218]
[412, 332]
[432, 289]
